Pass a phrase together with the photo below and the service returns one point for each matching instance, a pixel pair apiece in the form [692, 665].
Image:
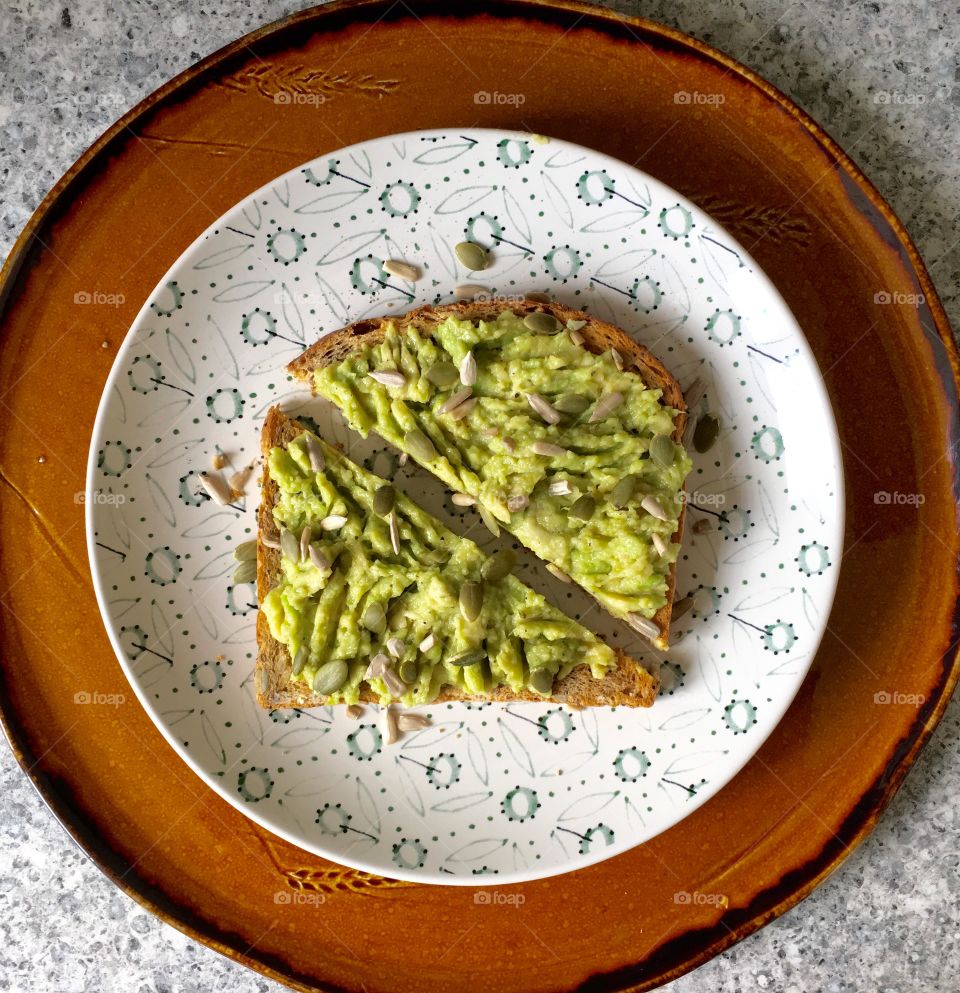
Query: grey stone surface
[884, 79]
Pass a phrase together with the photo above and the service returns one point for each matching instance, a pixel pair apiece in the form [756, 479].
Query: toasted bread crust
[628, 685]
[598, 336]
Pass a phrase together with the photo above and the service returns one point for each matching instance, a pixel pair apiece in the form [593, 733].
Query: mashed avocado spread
[570, 453]
[353, 597]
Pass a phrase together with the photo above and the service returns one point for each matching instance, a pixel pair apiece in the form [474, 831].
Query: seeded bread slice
[628, 685]
[598, 337]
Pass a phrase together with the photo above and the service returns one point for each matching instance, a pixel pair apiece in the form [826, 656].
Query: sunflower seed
[246, 572]
[261, 680]
[427, 643]
[460, 412]
[558, 573]
[376, 666]
[617, 359]
[394, 534]
[640, 624]
[389, 377]
[300, 659]
[419, 445]
[443, 375]
[467, 291]
[393, 682]
[509, 444]
[577, 338]
[681, 607]
[218, 460]
[573, 325]
[540, 406]
[623, 492]
[402, 459]
[703, 526]
[374, 618]
[238, 480]
[541, 680]
[408, 671]
[489, 521]
[216, 488]
[706, 432]
[305, 535]
[395, 647]
[560, 487]
[606, 405]
[412, 722]
[693, 394]
[388, 725]
[540, 323]
[318, 558]
[333, 522]
[289, 545]
[573, 404]
[472, 256]
[454, 401]
[583, 508]
[652, 506]
[548, 448]
[518, 502]
[330, 677]
[354, 711]
[471, 657]
[662, 450]
[468, 369]
[471, 600]
[402, 269]
[499, 565]
[317, 462]
[659, 544]
[269, 542]
[384, 499]
[463, 500]
[246, 551]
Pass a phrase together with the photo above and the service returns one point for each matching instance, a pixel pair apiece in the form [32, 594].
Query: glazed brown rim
[693, 948]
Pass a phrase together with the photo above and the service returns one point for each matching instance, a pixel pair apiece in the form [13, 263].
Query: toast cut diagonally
[511, 442]
[431, 558]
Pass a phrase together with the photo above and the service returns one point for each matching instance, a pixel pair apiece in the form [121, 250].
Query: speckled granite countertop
[888, 920]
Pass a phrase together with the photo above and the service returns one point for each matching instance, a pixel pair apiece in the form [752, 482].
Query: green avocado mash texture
[524, 643]
[605, 543]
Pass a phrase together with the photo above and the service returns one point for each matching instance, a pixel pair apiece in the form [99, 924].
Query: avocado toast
[378, 601]
[564, 430]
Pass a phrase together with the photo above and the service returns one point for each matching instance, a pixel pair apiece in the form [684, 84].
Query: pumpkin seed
[659, 544]
[573, 325]
[216, 488]
[573, 404]
[606, 405]
[541, 323]
[706, 433]
[467, 291]
[560, 487]
[395, 647]
[468, 369]
[463, 500]
[489, 521]
[540, 406]
[652, 506]
[703, 526]
[374, 618]
[394, 533]
[408, 671]
[246, 572]
[389, 377]
[333, 522]
[558, 573]
[681, 607]
[662, 450]
[509, 444]
[538, 297]
[246, 551]
[289, 545]
[427, 643]
[402, 269]
[305, 535]
[541, 680]
[443, 375]
[300, 659]
[703, 601]
[318, 558]
[471, 600]
[314, 453]
[354, 711]
[548, 448]
[471, 657]
[330, 677]
[384, 499]
[583, 508]
[623, 492]
[472, 256]
[420, 446]
[412, 722]
[388, 725]
[643, 626]
[499, 565]
[454, 401]
[518, 502]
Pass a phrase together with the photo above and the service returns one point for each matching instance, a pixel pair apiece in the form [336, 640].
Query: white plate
[522, 791]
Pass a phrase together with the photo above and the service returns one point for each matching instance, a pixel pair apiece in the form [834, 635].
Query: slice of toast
[628, 684]
[597, 336]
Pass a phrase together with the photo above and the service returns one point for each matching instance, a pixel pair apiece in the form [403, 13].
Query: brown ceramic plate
[846, 268]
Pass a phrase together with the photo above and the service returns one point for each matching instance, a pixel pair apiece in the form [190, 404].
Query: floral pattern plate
[522, 790]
